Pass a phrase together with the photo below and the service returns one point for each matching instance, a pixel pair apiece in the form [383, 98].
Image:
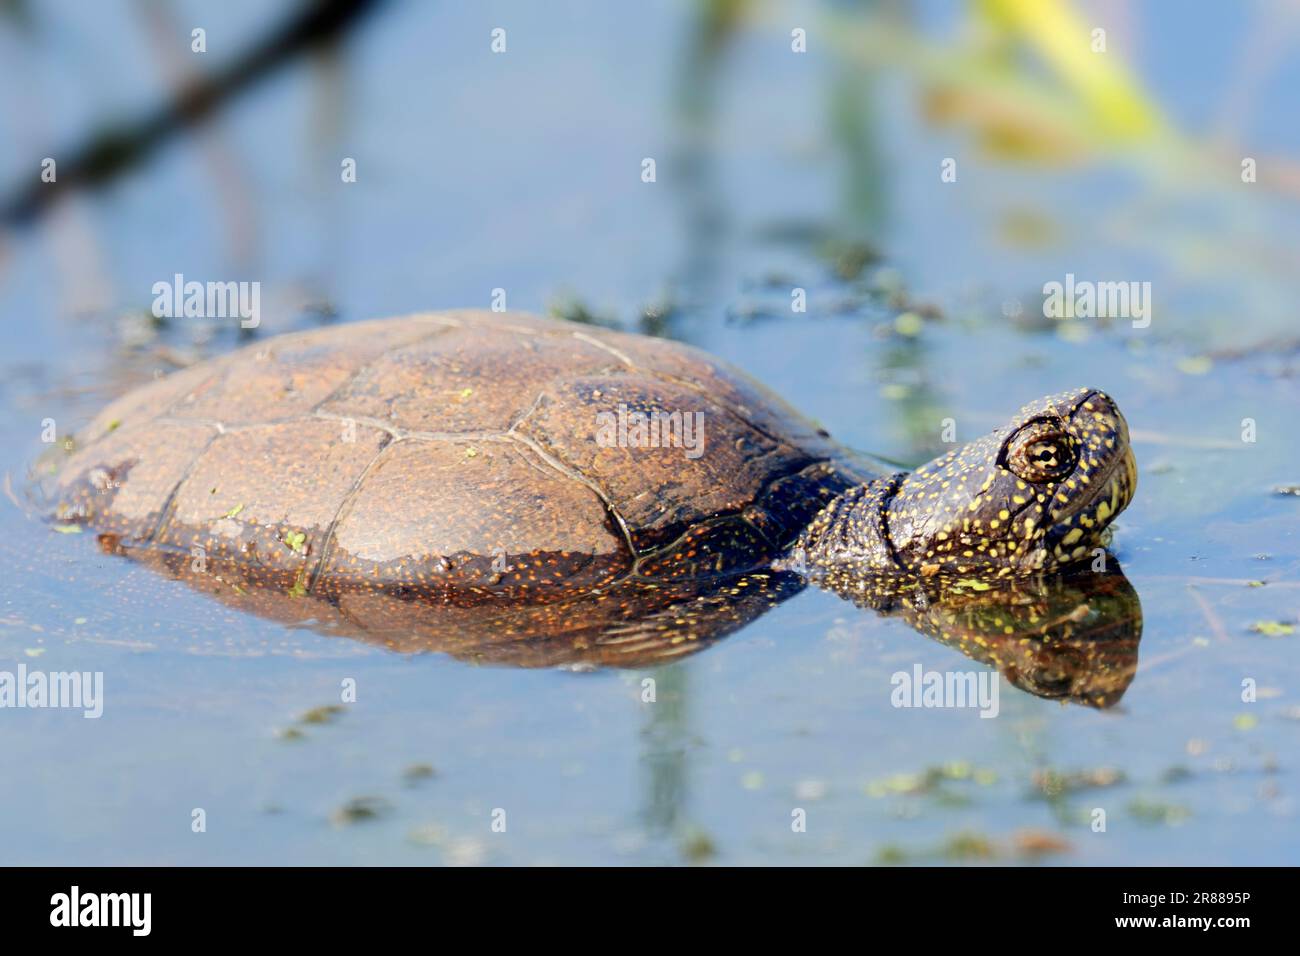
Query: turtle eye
[1041, 451]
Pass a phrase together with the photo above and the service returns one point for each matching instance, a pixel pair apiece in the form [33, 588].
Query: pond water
[522, 171]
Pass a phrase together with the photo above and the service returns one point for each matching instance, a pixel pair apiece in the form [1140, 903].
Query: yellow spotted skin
[1033, 496]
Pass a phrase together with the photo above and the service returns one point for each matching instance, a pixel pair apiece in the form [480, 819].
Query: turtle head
[1035, 495]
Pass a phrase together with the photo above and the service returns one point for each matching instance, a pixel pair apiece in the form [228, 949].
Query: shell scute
[468, 513]
[293, 375]
[122, 484]
[268, 494]
[472, 379]
[659, 486]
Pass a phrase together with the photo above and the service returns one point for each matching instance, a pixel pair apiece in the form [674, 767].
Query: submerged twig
[1211, 618]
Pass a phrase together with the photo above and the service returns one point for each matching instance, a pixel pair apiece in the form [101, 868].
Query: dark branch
[120, 147]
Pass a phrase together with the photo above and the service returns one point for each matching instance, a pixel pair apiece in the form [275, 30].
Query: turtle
[528, 490]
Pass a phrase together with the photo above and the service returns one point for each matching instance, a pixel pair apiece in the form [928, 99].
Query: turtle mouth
[1103, 483]
[1080, 526]
[1112, 494]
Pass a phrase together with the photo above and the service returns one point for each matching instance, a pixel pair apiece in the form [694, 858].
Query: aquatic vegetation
[1156, 813]
[932, 781]
[698, 847]
[417, 772]
[1273, 628]
[1053, 784]
[322, 715]
[360, 810]
[970, 846]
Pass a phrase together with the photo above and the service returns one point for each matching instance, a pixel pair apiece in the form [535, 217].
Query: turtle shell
[461, 451]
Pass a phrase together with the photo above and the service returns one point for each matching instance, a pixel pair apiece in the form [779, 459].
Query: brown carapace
[486, 483]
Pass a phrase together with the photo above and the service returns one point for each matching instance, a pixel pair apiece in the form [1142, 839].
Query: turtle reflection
[1069, 637]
